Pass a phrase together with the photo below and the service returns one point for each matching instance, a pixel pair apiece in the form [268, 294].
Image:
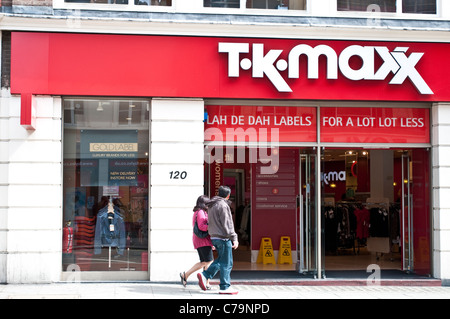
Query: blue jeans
[223, 263]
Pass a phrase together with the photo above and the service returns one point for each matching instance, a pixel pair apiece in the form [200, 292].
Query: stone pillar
[441, 190]
[177, 136]
[30, 192]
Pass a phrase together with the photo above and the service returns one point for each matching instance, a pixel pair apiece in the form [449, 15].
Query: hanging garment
[331, 229]
[379, 222]
[109, 232]
[362, 223]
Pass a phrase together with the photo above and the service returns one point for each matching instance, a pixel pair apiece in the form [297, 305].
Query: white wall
[30, 192]
[444, 7]
[177, 145]
[441, 191]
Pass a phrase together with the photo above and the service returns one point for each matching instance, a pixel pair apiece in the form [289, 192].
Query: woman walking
[203, 245]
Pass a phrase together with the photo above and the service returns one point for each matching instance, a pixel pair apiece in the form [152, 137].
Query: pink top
[202, 221]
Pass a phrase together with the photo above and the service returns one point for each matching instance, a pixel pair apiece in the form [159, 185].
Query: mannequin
[109, 230]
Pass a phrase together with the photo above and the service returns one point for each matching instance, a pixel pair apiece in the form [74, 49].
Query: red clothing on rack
[362, 223]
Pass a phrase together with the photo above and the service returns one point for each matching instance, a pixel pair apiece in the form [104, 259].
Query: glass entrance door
[376, 210]
[307, 221]
[407, 215]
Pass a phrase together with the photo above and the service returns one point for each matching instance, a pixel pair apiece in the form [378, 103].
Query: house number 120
[178, 175]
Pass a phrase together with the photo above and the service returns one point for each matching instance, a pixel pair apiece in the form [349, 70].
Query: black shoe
[183, 279]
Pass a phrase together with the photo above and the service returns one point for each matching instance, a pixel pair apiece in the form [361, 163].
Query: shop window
[105, 185]
[130, 113]
[136, 2]
[419, 6]
[277, 4]
[221, 3]
[408, 6]
[153, 2]
[367, 5]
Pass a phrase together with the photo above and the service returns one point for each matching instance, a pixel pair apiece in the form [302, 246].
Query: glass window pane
[137, 2]
[99, 1]
[153, 2]
[277, 4]
[419, 6]
[367, 5]
[105, 185]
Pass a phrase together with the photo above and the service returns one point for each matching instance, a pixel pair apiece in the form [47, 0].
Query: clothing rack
[340, 226]
[372, 224]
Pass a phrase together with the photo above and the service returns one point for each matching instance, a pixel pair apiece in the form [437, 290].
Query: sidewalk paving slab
[175, 291]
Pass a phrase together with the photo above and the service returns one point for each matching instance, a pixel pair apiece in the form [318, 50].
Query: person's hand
[235, 244]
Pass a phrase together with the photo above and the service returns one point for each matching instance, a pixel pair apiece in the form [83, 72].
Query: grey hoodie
[220, 220]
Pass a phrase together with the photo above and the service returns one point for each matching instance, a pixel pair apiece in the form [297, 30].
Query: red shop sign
[261, 123]
[374, 125]
[212, 67]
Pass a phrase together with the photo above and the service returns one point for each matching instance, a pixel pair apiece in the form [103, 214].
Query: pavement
[192, 293]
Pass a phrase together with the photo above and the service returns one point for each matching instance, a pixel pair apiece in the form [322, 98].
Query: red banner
[260, 124]
[374, 125]
[242, 68]
[298, 124]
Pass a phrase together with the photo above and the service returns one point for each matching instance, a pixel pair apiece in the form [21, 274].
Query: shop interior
[366, 195]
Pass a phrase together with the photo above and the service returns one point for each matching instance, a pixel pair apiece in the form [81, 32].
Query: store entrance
[376, 211]
[273, 197]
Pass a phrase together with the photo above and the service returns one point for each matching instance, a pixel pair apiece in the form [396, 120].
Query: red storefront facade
[305, 100]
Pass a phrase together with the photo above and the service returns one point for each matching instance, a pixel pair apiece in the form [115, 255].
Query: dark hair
[224, 191]
[202, 201]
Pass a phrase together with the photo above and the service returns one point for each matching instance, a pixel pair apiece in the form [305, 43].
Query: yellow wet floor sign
[266, 255]
[284, 254]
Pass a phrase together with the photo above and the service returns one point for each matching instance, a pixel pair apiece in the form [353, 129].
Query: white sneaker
[228, 291]
[201, 281]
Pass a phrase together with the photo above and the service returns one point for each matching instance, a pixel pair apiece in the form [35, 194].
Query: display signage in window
[298, 124]
[260, 123]
[374, 125]
[109, 144]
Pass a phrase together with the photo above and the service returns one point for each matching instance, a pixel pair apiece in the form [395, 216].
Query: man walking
[224, 239]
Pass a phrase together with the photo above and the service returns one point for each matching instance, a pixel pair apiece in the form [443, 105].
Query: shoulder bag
[199, 233]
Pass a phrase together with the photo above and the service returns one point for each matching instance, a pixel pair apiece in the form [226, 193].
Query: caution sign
[284, 253]
[266, 255]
